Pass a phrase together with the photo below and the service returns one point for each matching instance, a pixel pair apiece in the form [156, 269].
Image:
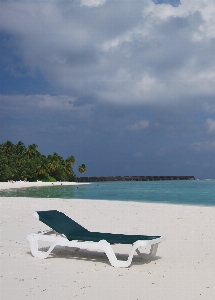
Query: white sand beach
[184, 267]
[25, 184]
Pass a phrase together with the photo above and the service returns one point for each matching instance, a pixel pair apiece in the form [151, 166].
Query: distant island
[133, 178]
[18, 162]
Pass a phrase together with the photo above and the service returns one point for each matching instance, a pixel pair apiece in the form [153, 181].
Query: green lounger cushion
[74, 231]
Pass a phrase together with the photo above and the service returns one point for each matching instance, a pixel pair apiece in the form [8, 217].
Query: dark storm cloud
[115, 81]
[121, 51]
[172, 2]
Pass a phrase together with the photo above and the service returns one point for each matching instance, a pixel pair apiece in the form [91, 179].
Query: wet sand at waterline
[184, 267]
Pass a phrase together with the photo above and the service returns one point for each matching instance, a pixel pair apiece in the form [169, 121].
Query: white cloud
[138, 154]
[209, 107]
[92, 3]
[208, 146]
[187, 9]
[210, 125]
[53, 103]
[140, 125]
[124, 53]
[149, 89]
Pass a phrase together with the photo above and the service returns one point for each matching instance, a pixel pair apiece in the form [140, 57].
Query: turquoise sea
[191, 192]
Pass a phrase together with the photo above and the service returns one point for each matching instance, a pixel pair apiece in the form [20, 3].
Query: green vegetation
[18, 162]
[82, 168]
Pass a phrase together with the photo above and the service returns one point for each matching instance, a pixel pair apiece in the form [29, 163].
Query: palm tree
[82, 168]
[20, 152]
[67, 169]
[42, 167]
[20, 162]
[52, 166]
[70, 160]
[32, 151]
[20, 148]
[5, 170]
[56, 166]
[8, 148]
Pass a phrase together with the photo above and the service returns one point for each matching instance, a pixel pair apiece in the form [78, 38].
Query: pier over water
[133, 178]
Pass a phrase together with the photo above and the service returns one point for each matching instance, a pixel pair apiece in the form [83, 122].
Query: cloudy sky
[127, 87]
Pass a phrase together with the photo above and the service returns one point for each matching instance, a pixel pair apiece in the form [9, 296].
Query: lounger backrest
[61, 223]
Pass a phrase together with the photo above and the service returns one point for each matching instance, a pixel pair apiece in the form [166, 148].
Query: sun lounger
[69, 233]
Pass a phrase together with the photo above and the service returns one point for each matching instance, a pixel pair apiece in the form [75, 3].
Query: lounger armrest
[36, 215]
[141, 243]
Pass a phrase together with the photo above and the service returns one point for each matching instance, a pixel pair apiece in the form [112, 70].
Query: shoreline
[4, 186]
[25, 184]
[183, 268]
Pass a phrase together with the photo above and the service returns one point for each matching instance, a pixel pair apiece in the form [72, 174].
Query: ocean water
[191, 192]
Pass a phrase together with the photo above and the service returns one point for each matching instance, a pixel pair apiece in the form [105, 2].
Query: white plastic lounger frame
[102, 245]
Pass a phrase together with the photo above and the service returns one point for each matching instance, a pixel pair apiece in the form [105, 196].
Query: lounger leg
[151, 254]
[112, 257]
[153, 250]
[106, 247]
[33, 241]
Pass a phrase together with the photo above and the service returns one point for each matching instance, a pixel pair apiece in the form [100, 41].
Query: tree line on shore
[18, 162]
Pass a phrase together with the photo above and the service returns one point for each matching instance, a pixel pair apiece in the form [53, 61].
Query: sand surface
[23, 184]
[184, 267]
